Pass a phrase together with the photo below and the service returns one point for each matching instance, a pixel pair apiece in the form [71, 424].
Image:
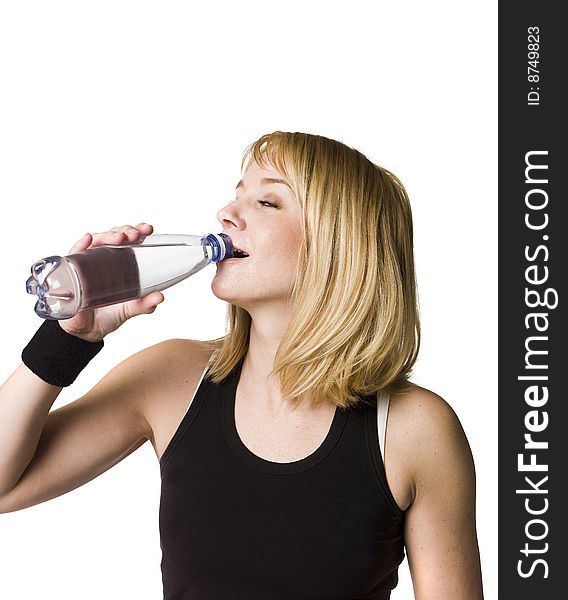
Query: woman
[275, 481]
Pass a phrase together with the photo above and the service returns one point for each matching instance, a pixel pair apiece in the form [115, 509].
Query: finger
[145, 228]
[124, 234]
[81, 244]
[115, 236]
[142, 227]
[151, 301]
[139, 231]
[143, 306]
[108, 238]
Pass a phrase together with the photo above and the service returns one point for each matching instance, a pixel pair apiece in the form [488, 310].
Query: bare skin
[428, 462]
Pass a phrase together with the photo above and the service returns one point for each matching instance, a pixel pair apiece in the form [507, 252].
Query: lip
[230, 260]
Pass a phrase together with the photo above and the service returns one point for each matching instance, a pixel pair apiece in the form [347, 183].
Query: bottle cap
[221, 245]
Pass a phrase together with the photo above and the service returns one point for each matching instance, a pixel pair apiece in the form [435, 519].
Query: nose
[230, 218]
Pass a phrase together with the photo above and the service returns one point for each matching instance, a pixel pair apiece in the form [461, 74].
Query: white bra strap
[197, 387]
[383, 401]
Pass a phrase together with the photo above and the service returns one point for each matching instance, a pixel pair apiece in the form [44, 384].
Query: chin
[225, 291]
[240, 292]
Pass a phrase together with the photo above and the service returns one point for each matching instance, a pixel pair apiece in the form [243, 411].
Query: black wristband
[56, 356]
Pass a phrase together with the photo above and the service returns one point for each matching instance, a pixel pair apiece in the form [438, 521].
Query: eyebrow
[265, 181]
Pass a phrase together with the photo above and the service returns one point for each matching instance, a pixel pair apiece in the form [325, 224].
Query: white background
[119, 112]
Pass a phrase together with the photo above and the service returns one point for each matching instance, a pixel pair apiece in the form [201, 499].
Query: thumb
[145, 305]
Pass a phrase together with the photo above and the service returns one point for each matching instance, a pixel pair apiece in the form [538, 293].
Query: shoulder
[162, 378]
[169, 364]
[164, 360]
[426, 439]
[157, 366]
[439, 525]
[423, 413]
[160, 369]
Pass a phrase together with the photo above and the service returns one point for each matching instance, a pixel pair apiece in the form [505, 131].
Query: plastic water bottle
[110, 274]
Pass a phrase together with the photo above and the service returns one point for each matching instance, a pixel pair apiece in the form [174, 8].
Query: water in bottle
[110, 274]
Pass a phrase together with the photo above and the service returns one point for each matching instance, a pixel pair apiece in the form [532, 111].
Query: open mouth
[237, 253]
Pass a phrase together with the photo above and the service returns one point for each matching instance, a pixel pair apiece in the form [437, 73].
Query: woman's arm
[440, 526]
[46, 454]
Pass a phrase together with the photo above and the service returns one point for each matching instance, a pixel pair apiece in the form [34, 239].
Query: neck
[266, 332]
[257, 384]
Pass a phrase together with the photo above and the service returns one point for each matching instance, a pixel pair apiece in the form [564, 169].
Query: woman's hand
[92, 325]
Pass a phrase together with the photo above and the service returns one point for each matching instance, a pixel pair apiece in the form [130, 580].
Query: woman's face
[265, 221]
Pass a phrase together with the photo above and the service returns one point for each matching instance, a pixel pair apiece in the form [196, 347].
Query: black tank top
[234, 526]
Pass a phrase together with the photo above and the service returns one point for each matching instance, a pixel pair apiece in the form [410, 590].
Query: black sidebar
[533, 268]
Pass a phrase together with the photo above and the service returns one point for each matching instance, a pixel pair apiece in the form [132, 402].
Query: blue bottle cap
[221, 245]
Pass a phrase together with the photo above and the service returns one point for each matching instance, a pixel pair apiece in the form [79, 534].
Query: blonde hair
[354, 328]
